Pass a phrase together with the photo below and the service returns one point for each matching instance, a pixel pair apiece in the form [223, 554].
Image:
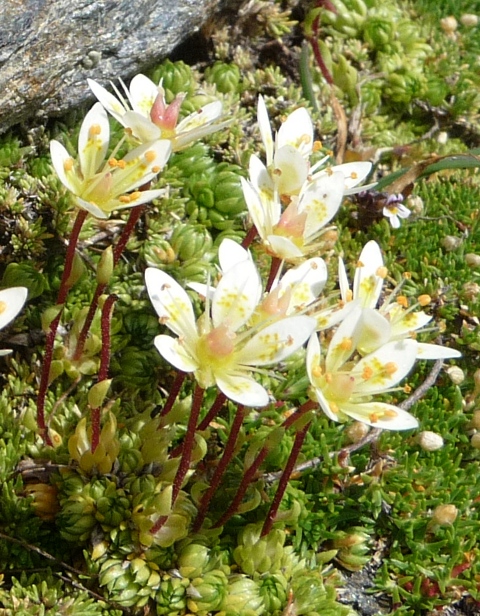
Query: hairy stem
[52, 331]
[134, 215]
[221, 468]
[282, 485]
[104, 365]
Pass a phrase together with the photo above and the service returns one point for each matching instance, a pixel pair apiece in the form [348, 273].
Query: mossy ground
[370, 509]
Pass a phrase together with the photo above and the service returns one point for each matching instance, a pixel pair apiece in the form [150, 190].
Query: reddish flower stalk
[50, 340]
[213, 412]
[187, 449]
[203, 425]
[134, 215]
[172, 395]
[221, 468]
[251, 235]
[252, 470]
[274, 267]
[313, 40]
[104, 364]
[282, 485]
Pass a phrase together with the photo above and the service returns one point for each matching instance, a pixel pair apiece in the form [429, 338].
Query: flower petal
[171, 303]
[436, 351]
[256, 209]
[109, 102]
[380, 415]
[344, 341]
[93, 141]
[283, 247]
[306, 282]
[354, 173]
[143, 93]
[142, 128]
[385, 367]
[321, 199]
[297, 131]
[237, 295]
[277, 341]
[265, 129]
[367, 284]
[61, 160]
[230, 253]
[242, 389]
[202, 118]
[374, 331]
[93, 209]
[11, 302]
[291, 170]
[176, 353]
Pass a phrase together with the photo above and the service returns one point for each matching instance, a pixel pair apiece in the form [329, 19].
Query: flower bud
[451, 242]
[456, 374]
[356, 431]
[97, 393]
[449, 25]
[415, 204]
[469, 20]
[429, 441]
[78, 269]
[476, 419]
[105, 266]
[472, 259]
[470, 291]
[475, 440]
[444, 515]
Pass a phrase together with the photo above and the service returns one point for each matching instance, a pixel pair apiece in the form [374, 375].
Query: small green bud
[97, 393]
[105, 266]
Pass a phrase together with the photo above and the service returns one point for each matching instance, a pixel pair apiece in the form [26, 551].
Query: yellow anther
[349, 295]
[150, 155]
[317, 145]
[317, 371]
[360, 264]
[382, 271]
[121, 164]
[277, 172]
[68, 164]
[424, 299]
[403, 301]
[124, 199]
[113, 162]
[390, 368]
[354, 175]
[407, 389]
[390, 413]
[94, 130]
[374, 417]
[407, 275]
[346, 344]
[3, 307]
[328, 377]
[367, 373]
[329, 171]
[156, 169]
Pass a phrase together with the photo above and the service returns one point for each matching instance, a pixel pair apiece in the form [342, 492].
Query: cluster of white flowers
[101, 186]
[369, 349]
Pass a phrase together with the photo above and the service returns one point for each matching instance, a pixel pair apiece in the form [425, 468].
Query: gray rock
[49, 47]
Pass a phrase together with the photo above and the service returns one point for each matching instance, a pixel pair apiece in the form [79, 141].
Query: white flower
[394, 210]
[147, 116]
[11, 302]
[393, 319]
[295, 232]
[291, 293]
[344, 388]
[100, 186]
[220, 348]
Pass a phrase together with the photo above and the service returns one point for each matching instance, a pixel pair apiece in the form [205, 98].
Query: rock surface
[49, 47]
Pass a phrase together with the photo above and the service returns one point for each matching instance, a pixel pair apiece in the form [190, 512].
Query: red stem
[213, 412]
[172, 395]
[50, 339]
[134, 215]
[104, 364]
[274, 267]
[253, 468]
[220, 470]
[282, 485]
[188, 444]
[251, 235]
[313, 40]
